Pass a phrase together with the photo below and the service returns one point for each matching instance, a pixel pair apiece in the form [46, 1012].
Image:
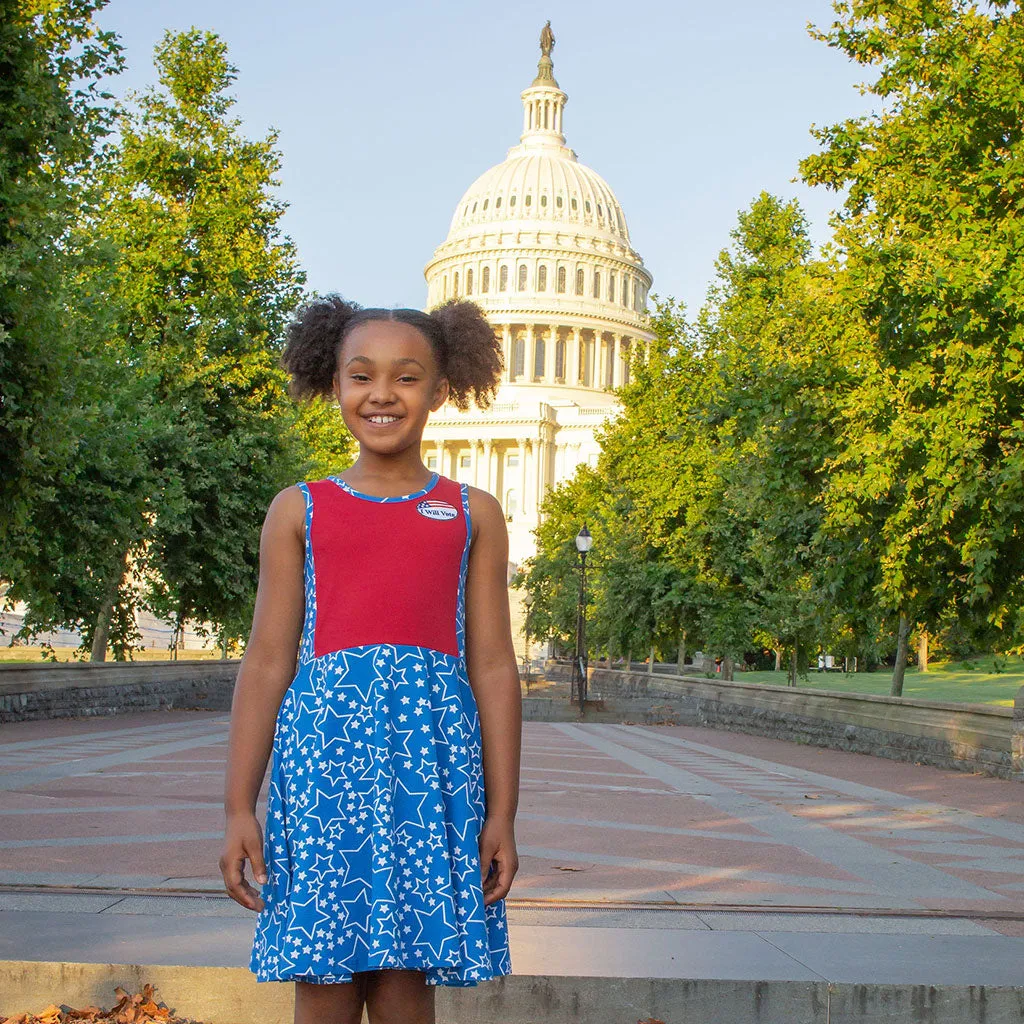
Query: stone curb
[231, 995]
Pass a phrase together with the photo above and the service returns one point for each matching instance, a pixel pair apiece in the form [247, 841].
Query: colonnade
[517, 471]
[574, 356]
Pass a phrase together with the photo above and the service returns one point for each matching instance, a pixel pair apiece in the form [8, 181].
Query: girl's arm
[264, 675]
[494, 678]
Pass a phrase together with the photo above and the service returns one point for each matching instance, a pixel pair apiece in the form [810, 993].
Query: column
[528, 355]
[475, 449]
[596, 361]
[549, 354]
[486, 484]
[506, 344]
[616, 360]
[522, 474]
[441, 451]
[572, 362]
[540, 450]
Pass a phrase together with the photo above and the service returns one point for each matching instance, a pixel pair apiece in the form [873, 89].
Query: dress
[376, 795]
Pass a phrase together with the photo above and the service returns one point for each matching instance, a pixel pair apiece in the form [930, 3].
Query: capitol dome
[541, 225]
[540, 242]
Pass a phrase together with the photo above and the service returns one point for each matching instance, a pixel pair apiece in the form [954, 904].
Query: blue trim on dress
[460, 610]
[309, 577]
[388, 497]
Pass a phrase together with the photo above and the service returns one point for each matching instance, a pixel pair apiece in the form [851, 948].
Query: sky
[387, 112]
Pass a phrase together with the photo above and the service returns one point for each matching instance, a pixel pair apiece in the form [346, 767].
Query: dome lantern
[543, 102]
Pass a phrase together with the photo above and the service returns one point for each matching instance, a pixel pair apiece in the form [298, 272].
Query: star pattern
[374, 810]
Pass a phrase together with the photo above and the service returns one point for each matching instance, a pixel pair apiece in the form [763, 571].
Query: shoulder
[287, 509]
[485, 511]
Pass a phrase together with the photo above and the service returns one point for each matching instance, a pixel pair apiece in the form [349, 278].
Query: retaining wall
[76, 688]
[969, 737]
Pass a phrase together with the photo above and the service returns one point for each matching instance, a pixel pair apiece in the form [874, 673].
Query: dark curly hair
[465, 345]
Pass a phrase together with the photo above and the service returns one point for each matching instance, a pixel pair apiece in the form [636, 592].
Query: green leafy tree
[930, 475]
[204, 284]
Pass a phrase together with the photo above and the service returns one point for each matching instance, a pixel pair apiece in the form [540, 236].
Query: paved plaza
[668, 851]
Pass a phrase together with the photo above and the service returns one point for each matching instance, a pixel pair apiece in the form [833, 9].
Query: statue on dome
[547, 39]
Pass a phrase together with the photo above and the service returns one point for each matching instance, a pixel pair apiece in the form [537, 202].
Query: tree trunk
[902, 647]
[922, 650]
[629, 660]
[102, 634]
[681, 654]
[727, 668]
[650, 664]
[778, 659]
[792, 666]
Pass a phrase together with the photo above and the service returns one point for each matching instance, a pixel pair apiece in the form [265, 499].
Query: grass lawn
[974, 681]
[34, 655]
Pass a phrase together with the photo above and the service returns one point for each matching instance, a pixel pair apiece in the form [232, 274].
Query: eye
[360, 376]
[409, 378]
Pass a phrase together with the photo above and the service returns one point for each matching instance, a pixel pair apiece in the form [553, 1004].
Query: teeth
[382, 419]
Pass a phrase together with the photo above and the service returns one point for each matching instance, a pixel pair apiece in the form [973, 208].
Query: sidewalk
[715, 856]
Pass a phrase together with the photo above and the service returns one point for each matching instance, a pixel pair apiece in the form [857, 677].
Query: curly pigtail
[473, 353]
[311, 342]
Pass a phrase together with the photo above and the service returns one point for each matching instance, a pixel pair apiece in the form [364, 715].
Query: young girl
[380, 674]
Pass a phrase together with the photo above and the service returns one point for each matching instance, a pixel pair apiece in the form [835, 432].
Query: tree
[54, 114]
[929, 477]
[205, 282]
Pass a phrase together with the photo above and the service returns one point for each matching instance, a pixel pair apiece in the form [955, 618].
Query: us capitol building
[540, 243]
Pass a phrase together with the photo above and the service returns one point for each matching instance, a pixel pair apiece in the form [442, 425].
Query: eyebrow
[397, 362]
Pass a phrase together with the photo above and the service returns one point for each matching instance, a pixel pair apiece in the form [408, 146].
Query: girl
[380, 674]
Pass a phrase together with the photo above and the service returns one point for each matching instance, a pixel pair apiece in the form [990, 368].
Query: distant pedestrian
[381, 677]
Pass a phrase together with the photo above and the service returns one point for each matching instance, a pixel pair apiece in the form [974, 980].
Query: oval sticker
[439, 510]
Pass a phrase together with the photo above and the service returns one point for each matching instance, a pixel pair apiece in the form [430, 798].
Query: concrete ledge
[231, 995]
[77, 688]
[967, 737]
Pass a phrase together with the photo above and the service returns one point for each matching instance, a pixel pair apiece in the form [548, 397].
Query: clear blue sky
[388, 111]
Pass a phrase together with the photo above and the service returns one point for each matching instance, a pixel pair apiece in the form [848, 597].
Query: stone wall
[969, 737]
[78, 688]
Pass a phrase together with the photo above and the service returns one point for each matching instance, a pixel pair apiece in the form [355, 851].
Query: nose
[382, 392]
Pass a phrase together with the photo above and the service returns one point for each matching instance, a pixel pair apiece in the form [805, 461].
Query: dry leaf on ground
[138, 1008]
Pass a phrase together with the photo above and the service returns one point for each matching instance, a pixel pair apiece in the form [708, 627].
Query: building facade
[540, 243]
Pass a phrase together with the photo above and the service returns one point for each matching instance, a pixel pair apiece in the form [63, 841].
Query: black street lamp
[584, 542]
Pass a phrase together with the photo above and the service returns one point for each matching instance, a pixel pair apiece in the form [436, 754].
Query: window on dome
[579, 281]
[611, 287]
[528, 200]
[469, 282]
[485, 280]
[474, 207]
[512, 201]
[597, 284]
[560, 359]
[486, 201]
[539, 347]
[518, 357]
[522, 277]
[542, 278]
[586, 206]
[465, 210]
[560, 281]
[497, 203]
[573, 204]
[503, 279]
[543, 200]
[558, 202]
[455, 284]
[600, 210]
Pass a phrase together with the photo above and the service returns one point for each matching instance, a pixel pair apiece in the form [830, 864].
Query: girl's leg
[396, 996]
[337, 1003]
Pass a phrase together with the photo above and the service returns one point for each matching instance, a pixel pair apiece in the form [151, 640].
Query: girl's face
[387, 383]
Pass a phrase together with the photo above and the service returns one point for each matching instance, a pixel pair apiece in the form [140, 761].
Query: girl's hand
[243, 840]
[497, 845]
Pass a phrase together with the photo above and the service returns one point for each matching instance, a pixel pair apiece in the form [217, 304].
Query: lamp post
[584, 542]
[528, 601]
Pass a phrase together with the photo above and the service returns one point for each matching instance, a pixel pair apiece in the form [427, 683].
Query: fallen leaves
[140, 1008]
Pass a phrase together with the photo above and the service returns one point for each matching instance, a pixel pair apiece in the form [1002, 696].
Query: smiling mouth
[383, 418]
